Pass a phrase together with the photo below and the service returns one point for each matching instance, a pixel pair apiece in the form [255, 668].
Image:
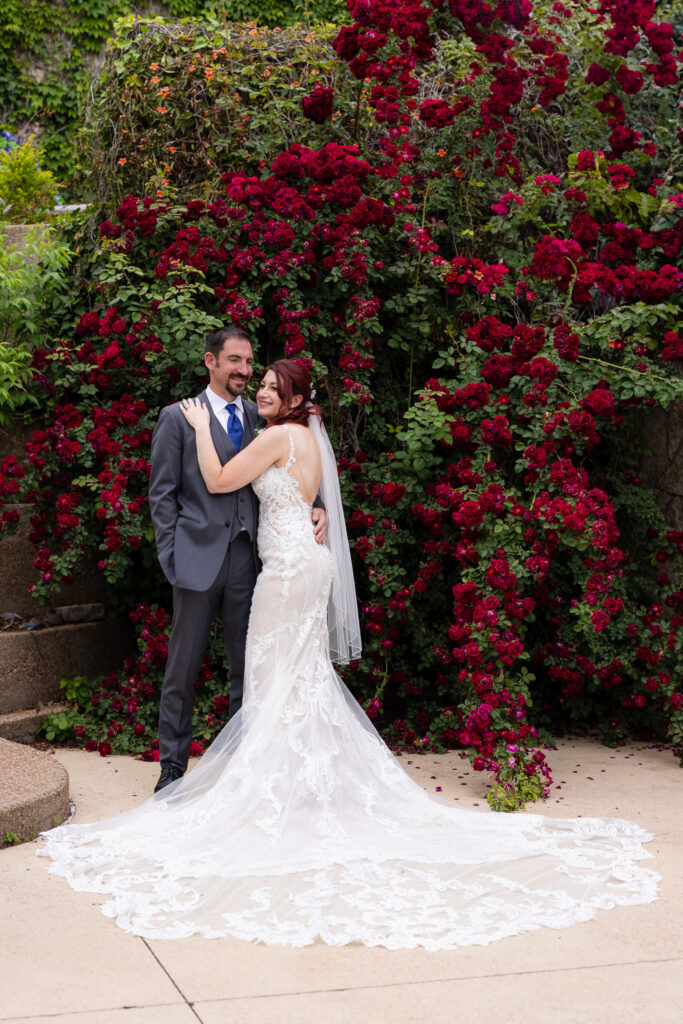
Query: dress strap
[291, 458]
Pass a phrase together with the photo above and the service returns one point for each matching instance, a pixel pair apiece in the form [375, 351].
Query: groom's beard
[233, 386]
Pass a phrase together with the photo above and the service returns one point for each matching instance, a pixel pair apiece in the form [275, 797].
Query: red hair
[292, 379]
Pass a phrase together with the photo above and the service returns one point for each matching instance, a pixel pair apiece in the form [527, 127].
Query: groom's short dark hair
[216, 339]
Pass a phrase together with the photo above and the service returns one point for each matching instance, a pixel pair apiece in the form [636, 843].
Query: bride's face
[269, 402]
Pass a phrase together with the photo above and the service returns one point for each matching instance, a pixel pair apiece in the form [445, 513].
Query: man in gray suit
[206, 542]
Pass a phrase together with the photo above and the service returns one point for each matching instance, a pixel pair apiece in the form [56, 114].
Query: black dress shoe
[169, 773]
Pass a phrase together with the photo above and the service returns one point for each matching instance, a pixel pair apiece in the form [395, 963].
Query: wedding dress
[298, 823]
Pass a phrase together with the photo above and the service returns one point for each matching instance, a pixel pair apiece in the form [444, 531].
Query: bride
[299, 823]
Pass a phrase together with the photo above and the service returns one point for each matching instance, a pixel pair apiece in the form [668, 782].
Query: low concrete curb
[33, 663]
[23, 726]
[35, 793]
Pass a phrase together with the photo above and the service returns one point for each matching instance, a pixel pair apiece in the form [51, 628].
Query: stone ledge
[35, 793]
[33, 663]
[23, 726]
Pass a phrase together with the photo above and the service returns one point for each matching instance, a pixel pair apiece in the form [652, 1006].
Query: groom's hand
[319, 517]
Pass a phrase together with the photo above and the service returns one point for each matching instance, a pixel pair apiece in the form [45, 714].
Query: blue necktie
[235, 428]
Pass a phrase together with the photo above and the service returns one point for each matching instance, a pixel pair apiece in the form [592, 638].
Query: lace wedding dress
[300, 824]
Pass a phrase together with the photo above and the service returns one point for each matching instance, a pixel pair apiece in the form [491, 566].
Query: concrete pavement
[62, 961]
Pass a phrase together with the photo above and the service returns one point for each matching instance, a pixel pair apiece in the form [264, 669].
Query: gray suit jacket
[193, 527]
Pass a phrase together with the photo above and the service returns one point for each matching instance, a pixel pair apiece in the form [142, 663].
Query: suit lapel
[224, 446]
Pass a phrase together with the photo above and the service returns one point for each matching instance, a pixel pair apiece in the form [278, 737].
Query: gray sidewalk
[61, 960]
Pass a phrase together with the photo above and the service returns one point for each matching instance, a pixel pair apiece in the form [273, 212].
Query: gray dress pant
[193, 614]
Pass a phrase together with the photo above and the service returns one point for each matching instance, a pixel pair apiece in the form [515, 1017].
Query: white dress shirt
[220, 411]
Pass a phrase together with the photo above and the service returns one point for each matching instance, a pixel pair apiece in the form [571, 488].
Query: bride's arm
[244, 467]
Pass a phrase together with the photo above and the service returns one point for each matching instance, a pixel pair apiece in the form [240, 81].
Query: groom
[206, 543]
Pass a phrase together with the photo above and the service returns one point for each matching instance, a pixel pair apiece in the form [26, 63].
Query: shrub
[65, 39]
[27, 191]
[213, 100]
[14, 375]
[35, 288]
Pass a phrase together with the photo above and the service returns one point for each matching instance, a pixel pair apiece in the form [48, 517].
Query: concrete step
[34, 794]
[33, 663]
[23, 726]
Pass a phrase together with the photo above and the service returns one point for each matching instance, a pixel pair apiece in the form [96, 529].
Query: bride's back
[306, 468]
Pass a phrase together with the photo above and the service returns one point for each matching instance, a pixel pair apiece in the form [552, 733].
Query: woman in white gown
[299, 823]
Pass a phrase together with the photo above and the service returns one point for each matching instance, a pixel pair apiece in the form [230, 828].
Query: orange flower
[191, 67]
[162, 110]
[209, 72]
[154, 67]
[458, 172]
[441, 152]
[172, 149]
[154, 79]
[122, 161]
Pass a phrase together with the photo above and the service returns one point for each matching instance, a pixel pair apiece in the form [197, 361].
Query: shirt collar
[218, 403]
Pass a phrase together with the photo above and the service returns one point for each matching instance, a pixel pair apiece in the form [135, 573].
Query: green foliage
[47, 51]
[176, 106]
[59, 727]
[27, 191]
[35, 288]
[14, 376]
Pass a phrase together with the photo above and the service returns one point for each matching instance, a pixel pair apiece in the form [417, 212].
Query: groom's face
[230, 371]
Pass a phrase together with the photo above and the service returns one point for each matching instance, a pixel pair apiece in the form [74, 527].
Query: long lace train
[299, 823]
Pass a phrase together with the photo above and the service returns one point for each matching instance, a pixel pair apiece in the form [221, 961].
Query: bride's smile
[267, 398]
